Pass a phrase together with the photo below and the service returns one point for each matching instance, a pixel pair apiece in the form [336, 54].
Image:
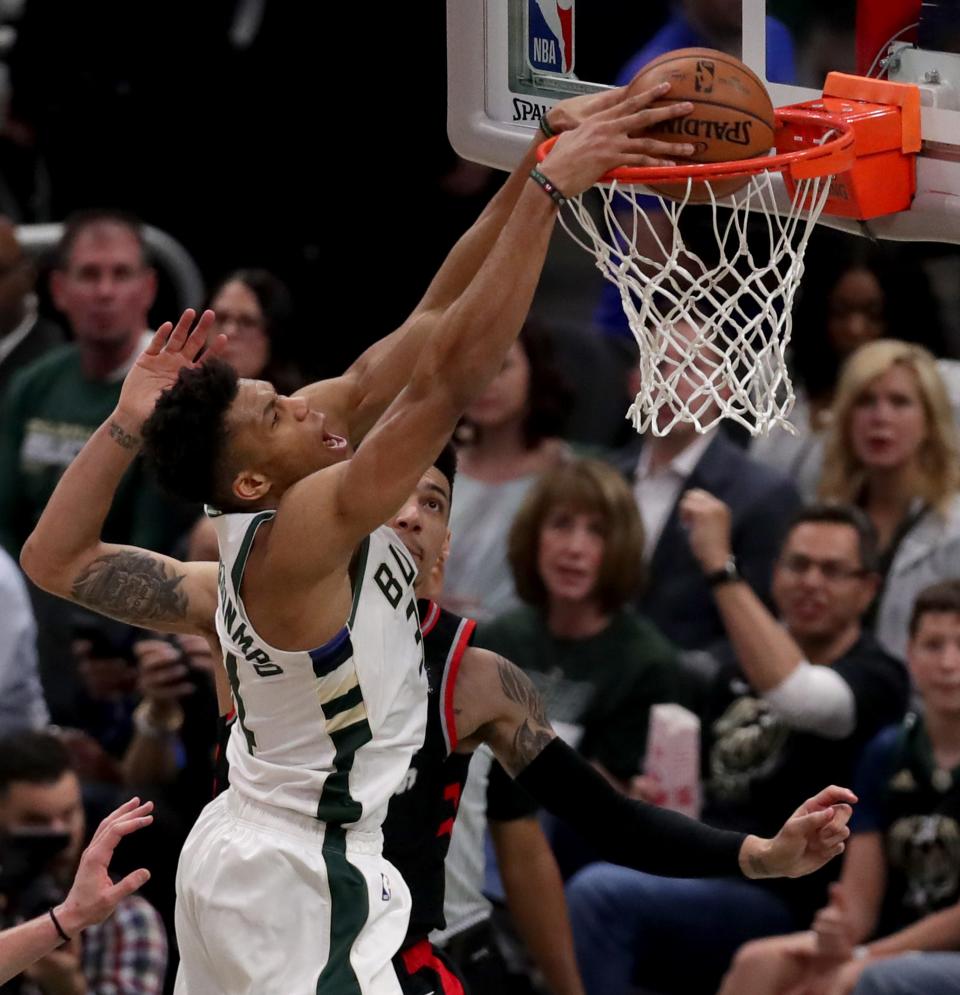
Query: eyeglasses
[245, 324]
[830, 570]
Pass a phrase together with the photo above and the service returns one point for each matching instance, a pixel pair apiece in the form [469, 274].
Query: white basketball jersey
[327, 732]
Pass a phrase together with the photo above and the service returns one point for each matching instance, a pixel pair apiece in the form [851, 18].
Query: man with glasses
[792, 703]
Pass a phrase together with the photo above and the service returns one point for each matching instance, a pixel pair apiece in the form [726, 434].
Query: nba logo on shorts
[550, 36]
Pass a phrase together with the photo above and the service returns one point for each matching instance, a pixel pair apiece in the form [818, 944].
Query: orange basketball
[732, 115]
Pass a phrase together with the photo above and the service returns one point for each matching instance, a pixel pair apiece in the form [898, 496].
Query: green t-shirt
[604, 684]
[49, 411]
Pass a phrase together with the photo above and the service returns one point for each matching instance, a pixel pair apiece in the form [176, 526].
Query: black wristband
[545, 126]
[551, 190]
[59, 928]
[627, 832]
[727, 574]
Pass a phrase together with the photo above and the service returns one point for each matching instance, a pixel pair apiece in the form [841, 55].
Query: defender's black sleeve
[624, 831]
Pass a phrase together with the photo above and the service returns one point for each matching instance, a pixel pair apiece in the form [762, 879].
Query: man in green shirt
[104, 287]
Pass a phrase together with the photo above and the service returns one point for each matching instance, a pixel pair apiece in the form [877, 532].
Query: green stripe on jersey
[346, 701]
[349, 907]
[336, 805]
[361, 566]
[236, 574]
[230, 662]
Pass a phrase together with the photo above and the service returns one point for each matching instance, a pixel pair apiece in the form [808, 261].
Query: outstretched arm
[92, 898]
[496, 703]
[381, 372]
[464, 352]
[65, 554]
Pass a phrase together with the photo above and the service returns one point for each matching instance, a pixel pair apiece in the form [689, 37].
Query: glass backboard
[510, 60]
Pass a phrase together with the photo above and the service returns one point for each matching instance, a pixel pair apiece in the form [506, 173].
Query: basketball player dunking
[282, 886]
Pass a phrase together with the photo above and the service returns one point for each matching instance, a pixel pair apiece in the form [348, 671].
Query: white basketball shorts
[273, 903]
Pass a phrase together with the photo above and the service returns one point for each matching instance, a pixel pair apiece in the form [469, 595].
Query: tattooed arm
[65, 555]
[496, 703]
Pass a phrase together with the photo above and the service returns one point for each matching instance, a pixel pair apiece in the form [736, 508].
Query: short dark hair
[446, 463]
[80, 221]
[185, 437]
[941, 597]
[834, 513]
[35, 757]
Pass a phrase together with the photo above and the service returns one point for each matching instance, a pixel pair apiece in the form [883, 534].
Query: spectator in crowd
[509, 436]
[104, 286]
[21, 698]
[662, 468]
[40, 798]
[92, 897]
[792, 702]
[575, 554]
[575, 551]
[24, 336]
[255, 311]
[900, 887]
[853, 292]
[893, 450]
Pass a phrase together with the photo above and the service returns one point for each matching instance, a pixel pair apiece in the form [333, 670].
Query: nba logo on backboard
[550, 36]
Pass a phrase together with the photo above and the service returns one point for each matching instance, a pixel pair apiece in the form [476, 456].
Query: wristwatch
[727, 574]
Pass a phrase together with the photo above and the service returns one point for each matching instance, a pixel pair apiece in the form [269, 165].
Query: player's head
[423, 521]
[578, 537]
[234, 443]
[933, 651]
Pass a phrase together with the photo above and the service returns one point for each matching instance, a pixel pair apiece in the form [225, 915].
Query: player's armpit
[140, 587]
[497, 704]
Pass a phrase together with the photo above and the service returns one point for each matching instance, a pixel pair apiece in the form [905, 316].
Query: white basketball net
[712, 337]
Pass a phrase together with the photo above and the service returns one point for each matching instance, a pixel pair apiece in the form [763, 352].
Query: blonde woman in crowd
[893, 449]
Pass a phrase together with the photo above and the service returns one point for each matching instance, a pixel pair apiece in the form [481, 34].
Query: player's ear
[444, 549]
[248, 485]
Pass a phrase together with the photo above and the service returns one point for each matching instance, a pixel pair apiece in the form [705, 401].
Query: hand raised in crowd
[707, 521]
[813, 835]
[170, 350]
[93, 895]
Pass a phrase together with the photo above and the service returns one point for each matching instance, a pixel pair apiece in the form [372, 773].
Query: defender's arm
[496, 703]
